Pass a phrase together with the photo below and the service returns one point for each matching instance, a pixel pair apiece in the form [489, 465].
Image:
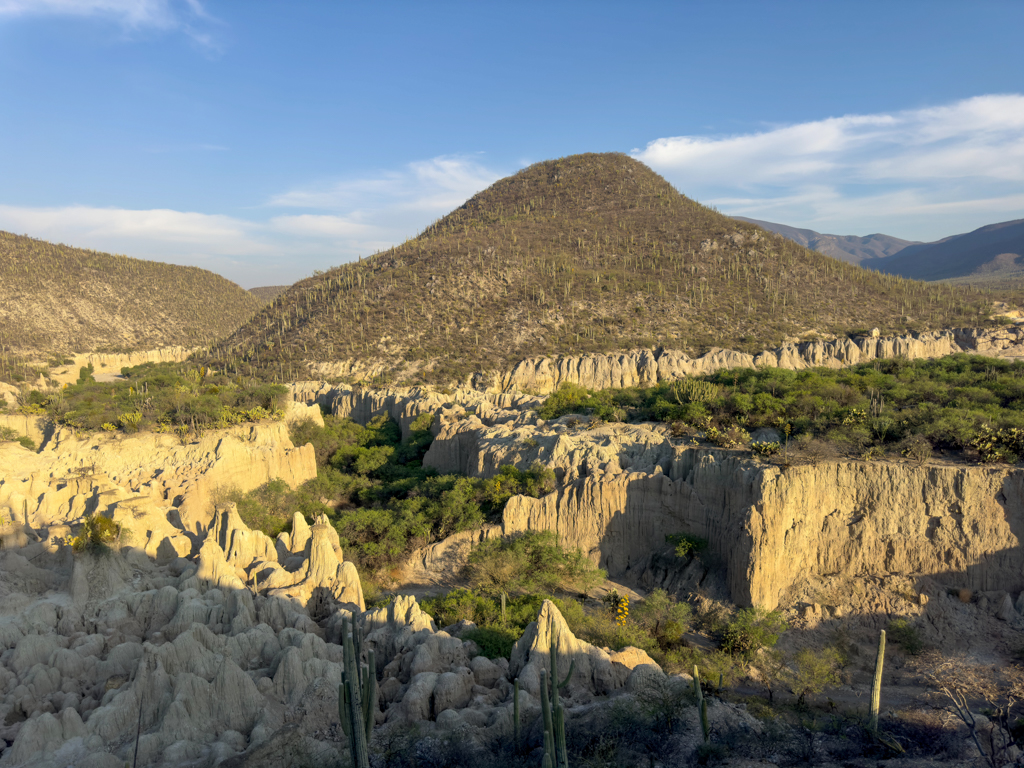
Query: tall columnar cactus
[695, 391]
[876, 686]
[702, 706]
[357, 696]
[555, 753]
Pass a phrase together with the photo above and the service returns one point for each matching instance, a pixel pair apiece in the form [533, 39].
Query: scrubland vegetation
[157, 397]
[966, 405]
[377, 494]
[589, 253]
[55, 297]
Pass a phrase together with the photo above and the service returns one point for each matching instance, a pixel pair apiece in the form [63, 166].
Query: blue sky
[264, 140]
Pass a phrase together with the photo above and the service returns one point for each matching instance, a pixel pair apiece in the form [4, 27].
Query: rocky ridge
[644, 367]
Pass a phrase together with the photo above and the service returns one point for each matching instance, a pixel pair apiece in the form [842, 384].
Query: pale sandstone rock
[1006, 611]
[453, 690]
[773, 526]
[485, 671]
[593, 671]
[644, 367]
[76, 475]
[631, 658]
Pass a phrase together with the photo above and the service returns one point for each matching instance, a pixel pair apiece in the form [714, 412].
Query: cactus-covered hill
[589, 253]
[59, 298]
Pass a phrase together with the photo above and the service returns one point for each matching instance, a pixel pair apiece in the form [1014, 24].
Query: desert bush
[917, 448]
[814, 671]
[751, 630]
[96, 534]
[493, 642]
[959, 402]
[906, 635]
[663, 617]
[686, 544]
[529, 562]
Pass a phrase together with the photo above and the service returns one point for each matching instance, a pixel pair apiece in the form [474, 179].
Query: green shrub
[686, 544]
[96, 534]
[661, 616]
[494, 643]
[528, 562]
[814, 671]
[751, 630]
[906, 635]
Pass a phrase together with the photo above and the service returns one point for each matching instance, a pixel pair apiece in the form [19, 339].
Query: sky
[267, 140]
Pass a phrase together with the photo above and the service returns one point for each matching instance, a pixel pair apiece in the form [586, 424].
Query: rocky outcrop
[77, 474]
[592, 670]
[645, 367]
[773, 527]
[38, 428]
[107, 364]
[405, 405]
[470, 447]
[625, 487]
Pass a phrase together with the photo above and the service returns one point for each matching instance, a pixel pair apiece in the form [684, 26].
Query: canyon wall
[78, 473]
[625, 487]
[645, 367]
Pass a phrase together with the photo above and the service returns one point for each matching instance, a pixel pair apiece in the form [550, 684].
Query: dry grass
[589, 253]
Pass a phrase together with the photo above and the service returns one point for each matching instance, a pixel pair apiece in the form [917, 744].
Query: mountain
[588, 253]
[987, 254]
[849, 248]
[267, 293]
[59, 298]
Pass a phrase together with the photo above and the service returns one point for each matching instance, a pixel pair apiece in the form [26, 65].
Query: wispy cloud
[434, 185]
[186, 16]
[339, 221]
[923, 172]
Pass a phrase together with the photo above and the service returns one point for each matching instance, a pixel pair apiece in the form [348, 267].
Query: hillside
[267, 293]
[849, 248]
[589, 253]
[59, 298]
[988, 253]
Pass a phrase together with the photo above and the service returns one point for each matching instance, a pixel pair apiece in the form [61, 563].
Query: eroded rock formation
[625, 487]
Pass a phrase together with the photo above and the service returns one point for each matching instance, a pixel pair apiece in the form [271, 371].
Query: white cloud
[341, 221]
[434, 186]
[926, 172]
[186, 16]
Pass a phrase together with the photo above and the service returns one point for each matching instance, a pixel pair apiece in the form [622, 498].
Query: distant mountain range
[990, 254]
[848, 248]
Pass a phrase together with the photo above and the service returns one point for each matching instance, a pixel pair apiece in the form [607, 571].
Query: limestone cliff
[627, 486]
[645, 367]
[77, 474]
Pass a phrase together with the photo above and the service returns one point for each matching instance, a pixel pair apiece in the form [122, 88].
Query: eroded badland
[365, 526]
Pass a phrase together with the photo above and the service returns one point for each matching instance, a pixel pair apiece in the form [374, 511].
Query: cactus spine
[357, 696]
[555, 752]
[876, 686]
